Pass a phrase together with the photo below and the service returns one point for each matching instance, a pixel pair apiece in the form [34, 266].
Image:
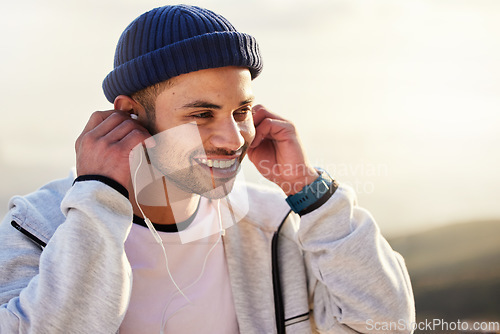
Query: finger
[273, 129]
[260, 113]
[134, 138]
[110, 123]
[124, 128]
[95, 119]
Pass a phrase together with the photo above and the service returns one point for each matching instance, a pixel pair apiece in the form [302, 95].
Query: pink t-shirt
[154, 295]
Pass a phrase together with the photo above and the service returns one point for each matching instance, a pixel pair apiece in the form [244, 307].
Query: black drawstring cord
[279, 309]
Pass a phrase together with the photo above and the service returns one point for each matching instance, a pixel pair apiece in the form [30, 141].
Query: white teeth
[218, 163]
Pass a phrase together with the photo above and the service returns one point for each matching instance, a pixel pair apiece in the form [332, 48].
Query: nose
[227, 135]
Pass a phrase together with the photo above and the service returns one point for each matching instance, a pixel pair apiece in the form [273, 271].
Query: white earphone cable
[154, 232]
[158, 239]
[221, 233]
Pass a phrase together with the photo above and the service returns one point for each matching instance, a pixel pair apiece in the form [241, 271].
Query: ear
[126, 103]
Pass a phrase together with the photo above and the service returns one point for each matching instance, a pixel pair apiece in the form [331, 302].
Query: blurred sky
[399, 98]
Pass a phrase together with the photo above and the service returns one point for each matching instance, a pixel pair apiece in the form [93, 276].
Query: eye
[242, 114]
[203, 115]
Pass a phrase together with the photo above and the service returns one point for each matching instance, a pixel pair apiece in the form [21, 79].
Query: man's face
[203, 127]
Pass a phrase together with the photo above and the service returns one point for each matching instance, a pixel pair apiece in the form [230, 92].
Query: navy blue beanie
[171, 40]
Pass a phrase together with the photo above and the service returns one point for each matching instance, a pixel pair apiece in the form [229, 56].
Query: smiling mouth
[217, 163]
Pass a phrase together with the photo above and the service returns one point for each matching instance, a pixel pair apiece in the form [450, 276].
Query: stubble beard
[194, 178]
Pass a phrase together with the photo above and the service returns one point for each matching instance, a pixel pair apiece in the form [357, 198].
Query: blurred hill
[455, 271]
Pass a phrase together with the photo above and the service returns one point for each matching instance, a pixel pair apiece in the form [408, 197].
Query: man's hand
[104, 146]
[278, 154]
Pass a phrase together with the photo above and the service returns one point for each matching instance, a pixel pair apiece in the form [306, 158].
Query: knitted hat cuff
[211, 50]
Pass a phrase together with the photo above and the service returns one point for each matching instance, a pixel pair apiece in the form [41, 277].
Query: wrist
[297, 184]
[104, 179]
[313, 195]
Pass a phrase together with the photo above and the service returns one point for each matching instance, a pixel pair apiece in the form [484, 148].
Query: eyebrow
[208, 105]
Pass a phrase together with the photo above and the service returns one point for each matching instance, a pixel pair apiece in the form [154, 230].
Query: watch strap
[311, 194]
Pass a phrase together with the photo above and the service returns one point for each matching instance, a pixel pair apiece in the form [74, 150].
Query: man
[77, 256]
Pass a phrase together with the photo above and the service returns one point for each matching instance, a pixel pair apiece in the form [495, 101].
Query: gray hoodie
[337, 274]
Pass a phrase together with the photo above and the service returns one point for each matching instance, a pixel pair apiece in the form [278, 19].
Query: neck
[164, 203]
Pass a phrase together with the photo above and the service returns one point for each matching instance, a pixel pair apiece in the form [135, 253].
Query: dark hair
[147, 99]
